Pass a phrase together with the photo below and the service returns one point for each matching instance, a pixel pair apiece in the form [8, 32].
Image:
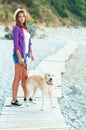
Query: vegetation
[52, 12]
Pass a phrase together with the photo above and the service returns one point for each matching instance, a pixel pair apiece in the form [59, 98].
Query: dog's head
[49, 78]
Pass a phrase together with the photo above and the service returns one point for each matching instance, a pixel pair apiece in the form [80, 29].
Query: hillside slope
[50, 12]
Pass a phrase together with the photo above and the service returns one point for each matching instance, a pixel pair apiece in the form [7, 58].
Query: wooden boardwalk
[31, 118]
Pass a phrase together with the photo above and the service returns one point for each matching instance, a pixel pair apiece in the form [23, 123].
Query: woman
[22, 50]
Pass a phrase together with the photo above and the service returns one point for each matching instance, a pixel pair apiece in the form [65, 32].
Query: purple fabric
[19, 42]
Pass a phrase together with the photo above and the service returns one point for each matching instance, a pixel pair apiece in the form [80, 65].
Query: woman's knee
[24, 78]
[17, 79]
[24, 75]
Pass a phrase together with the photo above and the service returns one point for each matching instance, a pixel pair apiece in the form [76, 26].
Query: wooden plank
[51, 66]
[29, 117]
[37, 128]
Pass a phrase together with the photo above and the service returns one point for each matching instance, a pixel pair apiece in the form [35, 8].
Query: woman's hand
[20, 60]
[32, 57]
[19, 57]
[31, 53]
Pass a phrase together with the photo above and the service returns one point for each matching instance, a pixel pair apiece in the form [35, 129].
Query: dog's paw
[34, 101]
[27, 104]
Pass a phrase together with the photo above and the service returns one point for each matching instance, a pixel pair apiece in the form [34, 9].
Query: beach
[73, 104]
[46, 42]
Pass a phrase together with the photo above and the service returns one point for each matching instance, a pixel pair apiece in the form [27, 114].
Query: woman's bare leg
[24, 78]
[17, 78]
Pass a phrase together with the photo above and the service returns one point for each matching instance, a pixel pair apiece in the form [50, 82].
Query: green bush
[62, 9]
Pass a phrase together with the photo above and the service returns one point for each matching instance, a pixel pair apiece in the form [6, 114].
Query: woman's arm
[31, 52]
[19, 57]
[16, 43]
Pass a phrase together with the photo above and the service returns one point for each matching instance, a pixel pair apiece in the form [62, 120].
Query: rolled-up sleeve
[16, 38]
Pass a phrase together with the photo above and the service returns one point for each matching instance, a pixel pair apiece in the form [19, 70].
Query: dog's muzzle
[50, 82]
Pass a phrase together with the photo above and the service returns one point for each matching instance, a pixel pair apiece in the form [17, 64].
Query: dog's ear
[45, 76]
[55, 75]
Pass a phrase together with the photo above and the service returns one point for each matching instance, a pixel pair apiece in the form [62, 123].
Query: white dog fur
[45, 84]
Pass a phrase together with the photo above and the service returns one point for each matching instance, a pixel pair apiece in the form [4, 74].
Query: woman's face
[21, 18]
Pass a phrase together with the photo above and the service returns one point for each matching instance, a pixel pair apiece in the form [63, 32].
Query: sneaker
[15, 103]
[25, 99]
[30, 99]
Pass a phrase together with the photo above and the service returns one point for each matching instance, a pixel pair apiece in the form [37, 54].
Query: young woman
[22, 50]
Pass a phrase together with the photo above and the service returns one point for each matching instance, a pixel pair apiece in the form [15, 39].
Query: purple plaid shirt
[19, 41]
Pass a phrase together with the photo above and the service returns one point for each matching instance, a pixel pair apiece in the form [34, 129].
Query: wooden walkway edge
[31, 118]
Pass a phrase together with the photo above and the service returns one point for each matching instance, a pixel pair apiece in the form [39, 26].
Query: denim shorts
[15, 59]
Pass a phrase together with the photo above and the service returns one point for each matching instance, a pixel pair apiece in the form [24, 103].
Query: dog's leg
[42, 107]
[34, 92]
[50, 97]
[29, 88]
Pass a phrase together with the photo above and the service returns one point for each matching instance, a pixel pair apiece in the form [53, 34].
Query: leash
[25, 64]
[25, 67]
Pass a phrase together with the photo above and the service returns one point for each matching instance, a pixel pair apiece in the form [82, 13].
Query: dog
[44, 83]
